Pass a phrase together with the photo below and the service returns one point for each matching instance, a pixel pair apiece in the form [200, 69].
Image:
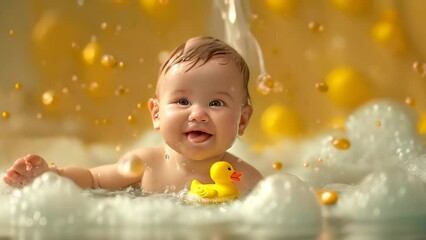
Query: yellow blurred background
[86, 69]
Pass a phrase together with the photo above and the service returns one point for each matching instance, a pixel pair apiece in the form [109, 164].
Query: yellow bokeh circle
[281, 6]
[347, 87]
[280, 121]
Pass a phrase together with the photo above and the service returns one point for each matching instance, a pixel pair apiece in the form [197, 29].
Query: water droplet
[315, 27]
[75, 45]
[321, 86]
[305, 164]
[118, 29]
[327, 196]
[120, 91]
[410, 101]
[130, 119]
[341, 143]
[11, 32]
[5, 115]
[48, 97]
[277, 165]
[93, 86]
[320, 160]
[74, 78]
[132, 165]
[91, 52]
[18, 86]
[108, 61]
[419, 68]
[378, 123]
[104, 26]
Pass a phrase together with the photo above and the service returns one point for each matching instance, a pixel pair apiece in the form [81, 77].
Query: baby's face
[201, 111]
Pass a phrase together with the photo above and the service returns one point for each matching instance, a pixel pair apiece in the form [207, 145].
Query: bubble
[132, 165]
[18, 86]
[131, 119]
[282, 200]
[48, 97]
[415, 166]
[91, 52]
[37, 204]
[327, 196]
[321, 87]
[103, 121]
[315, 27]
[341, 143]
[265, 85]
[11, 32]
[5, 115]
[410, 101]
[419, 68]
[277, 165]
[108, 61]
[104, 25]
[395, 140]
[121, 90]
[75, 45]
[378, 123]
[74, 78]
[389, 193]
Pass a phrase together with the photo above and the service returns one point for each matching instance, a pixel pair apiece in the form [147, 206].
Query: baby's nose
[198, 114]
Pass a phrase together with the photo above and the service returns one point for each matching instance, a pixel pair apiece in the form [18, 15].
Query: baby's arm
[27, 168]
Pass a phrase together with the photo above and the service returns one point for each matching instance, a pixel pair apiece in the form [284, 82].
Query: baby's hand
[25, 170]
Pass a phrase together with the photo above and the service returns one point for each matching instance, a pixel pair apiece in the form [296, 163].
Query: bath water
[380, 181]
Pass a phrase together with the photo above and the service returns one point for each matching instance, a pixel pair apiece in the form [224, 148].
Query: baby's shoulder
[147, 154]
[241, 165]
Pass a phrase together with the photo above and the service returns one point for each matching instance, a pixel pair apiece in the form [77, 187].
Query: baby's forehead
[176, 72]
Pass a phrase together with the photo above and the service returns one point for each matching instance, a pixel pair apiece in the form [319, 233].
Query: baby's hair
[203, 49]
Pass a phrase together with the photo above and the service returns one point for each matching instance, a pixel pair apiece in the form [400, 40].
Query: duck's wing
[202, 190]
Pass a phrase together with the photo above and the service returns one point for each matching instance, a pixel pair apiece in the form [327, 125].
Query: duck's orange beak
[235, 176]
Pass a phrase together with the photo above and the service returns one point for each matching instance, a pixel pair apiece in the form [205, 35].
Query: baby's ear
[244, 119]
[154, 108]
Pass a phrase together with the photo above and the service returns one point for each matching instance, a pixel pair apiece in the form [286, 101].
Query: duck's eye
[183, 102]
[229, 169]
[216, 103]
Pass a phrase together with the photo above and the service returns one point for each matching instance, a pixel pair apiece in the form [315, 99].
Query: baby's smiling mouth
[198, 136]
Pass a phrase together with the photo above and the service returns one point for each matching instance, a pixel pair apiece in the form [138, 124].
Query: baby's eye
[216, 103]
[183, 102]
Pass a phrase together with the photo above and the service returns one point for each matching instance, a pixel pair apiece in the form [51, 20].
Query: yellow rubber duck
[222, 173]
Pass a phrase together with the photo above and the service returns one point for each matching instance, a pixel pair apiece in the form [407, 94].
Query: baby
[201, 105]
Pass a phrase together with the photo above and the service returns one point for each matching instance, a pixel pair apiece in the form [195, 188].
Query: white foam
[283, 200]
[384, 194]
[416, 166]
